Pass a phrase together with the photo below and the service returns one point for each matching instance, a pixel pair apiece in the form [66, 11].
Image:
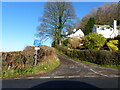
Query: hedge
[101, 57]
[25, 58]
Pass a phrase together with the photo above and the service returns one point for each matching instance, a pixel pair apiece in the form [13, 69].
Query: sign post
[36, 44]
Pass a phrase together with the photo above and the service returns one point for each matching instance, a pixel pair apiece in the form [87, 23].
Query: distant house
[107, 31]
[76, 33]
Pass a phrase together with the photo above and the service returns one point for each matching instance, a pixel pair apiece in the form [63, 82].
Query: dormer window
[111, 29]
[102, 28]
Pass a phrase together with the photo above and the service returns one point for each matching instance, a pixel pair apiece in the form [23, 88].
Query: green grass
[107, 66]
[41, 68]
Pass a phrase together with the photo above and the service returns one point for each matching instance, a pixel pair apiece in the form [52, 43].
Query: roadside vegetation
[88, 61]
[20, 64]
[57, 19]
[103, 15]
[94, 49]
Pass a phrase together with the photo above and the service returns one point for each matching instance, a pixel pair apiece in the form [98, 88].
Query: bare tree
[85, 19]
[57, 17]
[107, 13]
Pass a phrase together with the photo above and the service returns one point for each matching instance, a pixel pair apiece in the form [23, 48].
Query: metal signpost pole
[35, 57]
[36, 50]
[36, 43]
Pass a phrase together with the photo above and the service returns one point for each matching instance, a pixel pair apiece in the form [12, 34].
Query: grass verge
[42, 67]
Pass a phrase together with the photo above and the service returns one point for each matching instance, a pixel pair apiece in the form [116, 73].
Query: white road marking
[30, 77]
[68, 76]
[59, 77]
[99, 73]
[74, 76]
[16, 78]
[44, 77]
[93, 70]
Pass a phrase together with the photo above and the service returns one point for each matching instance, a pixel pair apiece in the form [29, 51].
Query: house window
[102, 28]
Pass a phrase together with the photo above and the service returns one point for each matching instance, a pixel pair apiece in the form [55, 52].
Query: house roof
[72, 32]
[118, 26]
[102, 26]
[107, 26]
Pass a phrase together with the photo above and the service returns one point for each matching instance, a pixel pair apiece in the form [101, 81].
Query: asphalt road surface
[70, 74]
[88, 82]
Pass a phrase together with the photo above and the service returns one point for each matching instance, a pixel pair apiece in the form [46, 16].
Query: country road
[73, 68]
[69, 72]
[87, 82]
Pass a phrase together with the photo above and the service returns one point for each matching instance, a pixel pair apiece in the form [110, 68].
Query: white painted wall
[107, 33]
[118, 32]
[78, 34]
[115, 25]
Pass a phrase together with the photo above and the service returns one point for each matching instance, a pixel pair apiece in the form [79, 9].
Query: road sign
[37, 48]
[37, 43]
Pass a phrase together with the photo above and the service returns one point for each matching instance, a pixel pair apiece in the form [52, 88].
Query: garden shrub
[94, 41]
[113, 45]
[74, 42]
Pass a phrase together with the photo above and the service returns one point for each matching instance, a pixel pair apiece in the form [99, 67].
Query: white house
[76, 33]
[118, 28]
[107, 31]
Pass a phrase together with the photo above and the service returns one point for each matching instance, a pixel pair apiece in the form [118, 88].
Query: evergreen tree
[89, 26]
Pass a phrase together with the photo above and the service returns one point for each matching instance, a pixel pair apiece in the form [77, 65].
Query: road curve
[70, 68]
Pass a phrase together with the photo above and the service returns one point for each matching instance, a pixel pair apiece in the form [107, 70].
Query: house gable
[76, 33]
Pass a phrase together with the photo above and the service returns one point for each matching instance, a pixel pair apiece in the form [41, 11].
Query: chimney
[74, 30]
[115, 25]
[66, 32]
